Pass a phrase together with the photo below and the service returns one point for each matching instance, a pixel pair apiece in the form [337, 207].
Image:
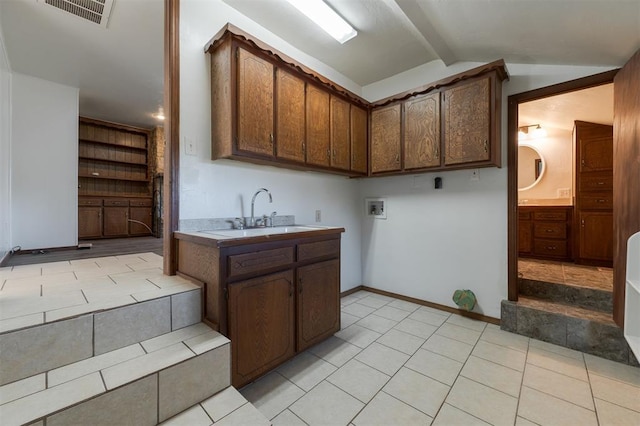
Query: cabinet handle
[486, 147]
[304, 147]
[328, 154]
[600, 183]
[437, 152]
[582, 222]
[548, 230]
[397, 158]
[601, 201]
[271, 138]
[551, 247]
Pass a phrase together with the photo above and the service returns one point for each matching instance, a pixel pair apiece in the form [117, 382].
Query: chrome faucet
[252, 220]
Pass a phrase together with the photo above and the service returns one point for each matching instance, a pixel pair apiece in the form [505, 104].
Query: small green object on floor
[465, 299]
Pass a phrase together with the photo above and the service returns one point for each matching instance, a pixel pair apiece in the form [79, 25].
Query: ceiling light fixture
[326, 18]
[538, 132]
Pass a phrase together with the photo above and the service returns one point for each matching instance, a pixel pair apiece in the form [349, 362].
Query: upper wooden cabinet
[290, 106]
[467, 122]
[255, 104]
[450, 124]
[422, 132]
[268, 109]
[358, 139]
[340, 134]
[386, 139]
[318, 130]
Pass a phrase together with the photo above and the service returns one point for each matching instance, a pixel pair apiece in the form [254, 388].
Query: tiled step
[586, 330]
[42, 347]
[140, 384]
[587, 297]
[227, 408]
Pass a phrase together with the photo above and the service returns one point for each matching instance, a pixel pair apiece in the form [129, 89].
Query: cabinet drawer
[550, 230]
[560, 215]
[89, 202]
[144, 202]
[318, 249]
[119, 203]
[524, 215]
[550, 247]
[597, 202]
[596, 183]
[242, 264]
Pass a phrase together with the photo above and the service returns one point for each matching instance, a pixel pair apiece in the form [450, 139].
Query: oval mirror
[531, 167]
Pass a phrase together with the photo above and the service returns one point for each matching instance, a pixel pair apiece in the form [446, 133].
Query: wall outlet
[189, 146]
[475, 175]
[318, 215]
[564, 192]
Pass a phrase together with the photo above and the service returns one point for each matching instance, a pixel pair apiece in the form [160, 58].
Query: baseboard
[4, 257]
[472, 315]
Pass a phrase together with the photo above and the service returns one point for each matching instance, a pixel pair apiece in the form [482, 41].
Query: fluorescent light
[320, 13]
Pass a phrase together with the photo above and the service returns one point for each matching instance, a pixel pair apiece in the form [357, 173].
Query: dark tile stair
[569, 315]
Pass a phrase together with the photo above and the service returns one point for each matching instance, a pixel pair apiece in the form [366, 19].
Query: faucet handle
[239, 223]
[271, 217]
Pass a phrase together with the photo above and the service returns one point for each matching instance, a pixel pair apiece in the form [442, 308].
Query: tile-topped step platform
[226, 408]
[570, 294]
[586, 330]
[48, 292]
[143, 383]
[39, 348]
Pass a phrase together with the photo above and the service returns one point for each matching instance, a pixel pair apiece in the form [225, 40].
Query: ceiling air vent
[96, 11]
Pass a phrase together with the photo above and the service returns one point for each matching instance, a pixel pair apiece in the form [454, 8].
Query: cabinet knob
[397, 158]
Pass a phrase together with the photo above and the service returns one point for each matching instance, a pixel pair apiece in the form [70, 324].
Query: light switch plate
[189, 146]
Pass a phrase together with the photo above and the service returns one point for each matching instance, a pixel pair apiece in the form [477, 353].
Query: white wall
[437, 241]
[44, 163]
[224, 188]
[5, 149]
[556, 150]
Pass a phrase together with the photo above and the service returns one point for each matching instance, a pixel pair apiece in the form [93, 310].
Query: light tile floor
[399, 363]
[45, 292]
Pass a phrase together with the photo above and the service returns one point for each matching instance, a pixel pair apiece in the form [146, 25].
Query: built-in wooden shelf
[107, 161]
[137, 148]
[113, 178]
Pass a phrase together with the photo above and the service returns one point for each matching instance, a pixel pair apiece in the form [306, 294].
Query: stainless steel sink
[256, 232]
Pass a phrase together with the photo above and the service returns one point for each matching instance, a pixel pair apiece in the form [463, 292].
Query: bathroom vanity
[272, 291]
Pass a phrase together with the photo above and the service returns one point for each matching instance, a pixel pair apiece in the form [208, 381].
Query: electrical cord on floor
[143, 224]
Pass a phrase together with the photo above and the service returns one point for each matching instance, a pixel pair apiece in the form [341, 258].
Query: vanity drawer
[560, 215]
[319, 249]
[556, 248]
[524, 215]
[596, 183]
[550, 230]
[597, 202]
[242, 264]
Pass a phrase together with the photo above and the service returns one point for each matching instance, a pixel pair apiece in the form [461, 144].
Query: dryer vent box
[376, 207]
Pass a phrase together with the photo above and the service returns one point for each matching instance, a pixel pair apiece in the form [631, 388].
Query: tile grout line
[526, 356]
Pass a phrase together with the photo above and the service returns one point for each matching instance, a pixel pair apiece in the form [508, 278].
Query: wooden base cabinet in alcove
[271, 296]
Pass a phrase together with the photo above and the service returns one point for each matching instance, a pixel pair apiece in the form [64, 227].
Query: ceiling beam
[419, 19]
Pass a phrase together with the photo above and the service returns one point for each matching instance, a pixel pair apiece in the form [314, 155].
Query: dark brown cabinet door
[143, 215]
[596, 236]
[525, 237]
[595, 147]
[340, 144]
[385, 139]
[318, 131]
[261, 325]
[467, 122]
[422, 132]
[289, 116]
[116, 221]
[90, 222]
[358, 139]
[255, 104]
[318, 302]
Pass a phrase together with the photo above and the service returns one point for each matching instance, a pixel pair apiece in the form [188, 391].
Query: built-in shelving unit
[114, 183]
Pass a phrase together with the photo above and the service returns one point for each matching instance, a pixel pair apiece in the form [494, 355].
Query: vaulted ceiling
[119, 69]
